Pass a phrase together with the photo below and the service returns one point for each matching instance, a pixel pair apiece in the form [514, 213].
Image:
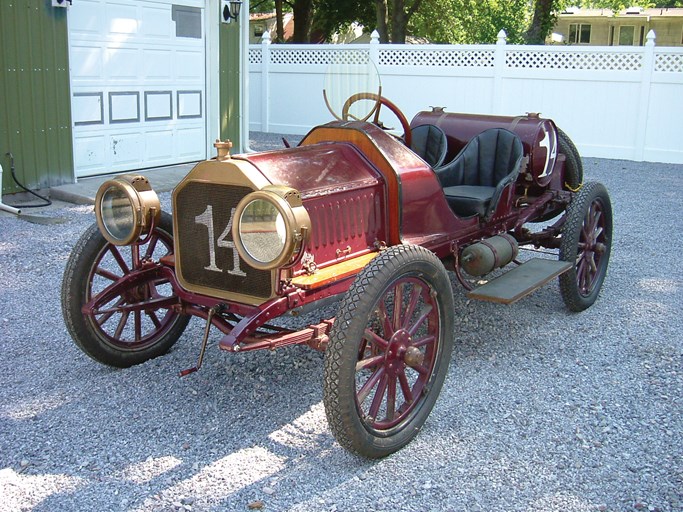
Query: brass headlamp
[126, 207]
[271, 227]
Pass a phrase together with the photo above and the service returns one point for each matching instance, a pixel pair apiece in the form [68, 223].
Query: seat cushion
[468, 200]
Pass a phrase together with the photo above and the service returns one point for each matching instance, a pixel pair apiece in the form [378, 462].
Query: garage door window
[188, 21]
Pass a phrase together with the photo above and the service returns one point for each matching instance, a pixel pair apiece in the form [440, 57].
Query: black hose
[14, 177]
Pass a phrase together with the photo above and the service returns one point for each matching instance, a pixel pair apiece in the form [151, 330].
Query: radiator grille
[204, 212]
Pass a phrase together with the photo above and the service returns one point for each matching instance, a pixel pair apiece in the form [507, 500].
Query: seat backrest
[485, 161]
[430, 143]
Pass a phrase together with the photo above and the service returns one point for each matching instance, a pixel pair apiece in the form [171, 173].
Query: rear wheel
[586, 241]
[138, 323]
[389, 351]
[573, 170]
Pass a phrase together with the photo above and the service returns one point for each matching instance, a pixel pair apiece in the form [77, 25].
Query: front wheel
[389, 351]
[586, 242]
[136, 325]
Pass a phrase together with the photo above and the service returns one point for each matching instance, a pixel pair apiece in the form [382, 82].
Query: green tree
[543, 21]
[471, 21]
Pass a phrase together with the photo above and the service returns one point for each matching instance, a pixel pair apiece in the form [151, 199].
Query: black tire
[403, 368]
[109, 337]
[587, 242]
[573, 169]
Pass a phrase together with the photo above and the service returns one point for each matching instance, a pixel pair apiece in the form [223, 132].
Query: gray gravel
[542, 409]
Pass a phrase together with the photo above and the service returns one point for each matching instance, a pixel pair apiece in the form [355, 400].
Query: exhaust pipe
[6, 207]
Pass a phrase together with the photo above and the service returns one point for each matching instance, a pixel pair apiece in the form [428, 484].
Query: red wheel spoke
[364, 391]
[106, 274]
[369, 362]
[110, 312]
[391, 397]
[424, 314]
[374, 338]
[398, 306]
[405, 387]
[421, 369]
[384, 319]
[119, 259]
[414, 299]
[591, 263]
[424, 341]
[582, 273]
[153, 317]
[379, 396]
[138, 325]
[122, 323]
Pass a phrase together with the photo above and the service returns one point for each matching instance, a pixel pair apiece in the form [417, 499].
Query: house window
[259, 29]
[579, 33]
[627, 35]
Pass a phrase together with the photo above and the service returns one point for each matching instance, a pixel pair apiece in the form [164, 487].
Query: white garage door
[137, 83]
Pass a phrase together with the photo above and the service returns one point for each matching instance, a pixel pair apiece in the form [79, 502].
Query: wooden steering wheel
[380, 100]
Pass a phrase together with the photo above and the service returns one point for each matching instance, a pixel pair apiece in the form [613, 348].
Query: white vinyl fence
[614, 102]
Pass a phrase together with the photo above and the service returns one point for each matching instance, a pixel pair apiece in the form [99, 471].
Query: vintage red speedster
[355, 215]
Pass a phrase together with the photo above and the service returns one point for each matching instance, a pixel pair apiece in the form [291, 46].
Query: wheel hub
[401, 353]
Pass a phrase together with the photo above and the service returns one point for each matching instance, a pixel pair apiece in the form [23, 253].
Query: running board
[521, 281]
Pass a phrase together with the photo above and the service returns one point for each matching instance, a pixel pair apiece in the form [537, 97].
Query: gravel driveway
[542, 409]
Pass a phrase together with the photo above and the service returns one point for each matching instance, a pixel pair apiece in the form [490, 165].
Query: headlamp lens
[262, 231]
[117, 213]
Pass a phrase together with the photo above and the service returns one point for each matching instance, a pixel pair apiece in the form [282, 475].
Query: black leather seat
[429, 142]
[474, 181]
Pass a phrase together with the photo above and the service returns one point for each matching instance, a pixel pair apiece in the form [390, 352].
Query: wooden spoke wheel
[389, 351]
[586, 241]
[137, 323]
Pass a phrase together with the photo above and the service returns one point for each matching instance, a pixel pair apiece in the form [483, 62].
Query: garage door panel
[126, 148]
[86, 20]
[122, 63]
[91, 151]
[189, 104]
[121, 19]
[158, 105]
[156, 23]
[189, 65]
[157, 64]
[124, 107]
[137, 88]
[86, 63]
[189, 142]
[159, 146]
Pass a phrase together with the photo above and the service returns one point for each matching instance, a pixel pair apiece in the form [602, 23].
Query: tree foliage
[471, 21]
[441, 21]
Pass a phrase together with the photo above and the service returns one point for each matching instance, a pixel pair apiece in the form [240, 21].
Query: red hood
[316, 170]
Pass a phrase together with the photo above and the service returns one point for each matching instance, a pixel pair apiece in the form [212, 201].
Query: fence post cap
[374, 37]
[265, 38]
[650, 38]
[502, 37]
